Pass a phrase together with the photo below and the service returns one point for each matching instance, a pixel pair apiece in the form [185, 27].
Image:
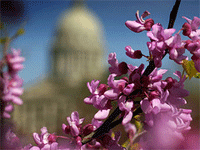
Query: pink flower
[126, 107]
[114, 64]
[74, 141]
[191, 29]
[156, 52]
[157, 46]
[129, 89]
[160, 34]
[44, 140]
[116, 68]
[87, 129]
[177, 91]
[156, 75]
[96, 123]
[154, 106]
[166, 128]
[117, 87]
[102, 113]
[74, 123]
[10, 141]
[98, 99]
[186, 29]
[14, 61]
[133, 54]
[140, 25]
[11, 83]
[135, 75]
[176, 49]
[93, 90]
[194, 48]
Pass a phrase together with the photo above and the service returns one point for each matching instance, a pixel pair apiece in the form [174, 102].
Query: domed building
[78, 48]
[77, 57]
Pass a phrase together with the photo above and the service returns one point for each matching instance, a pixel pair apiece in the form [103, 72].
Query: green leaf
[189, 68]
[197, 75]
[126, 143]
[3, 40]
[20, 31]
[113, 135]
[138, 123]
[135, 146]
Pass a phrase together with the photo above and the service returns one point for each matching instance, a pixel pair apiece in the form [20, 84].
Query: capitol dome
[81, 28]
[78, 50]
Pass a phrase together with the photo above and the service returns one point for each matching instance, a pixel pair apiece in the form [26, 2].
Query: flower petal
[111, 94]
[37, 139]
[127, 118]
[102, 114]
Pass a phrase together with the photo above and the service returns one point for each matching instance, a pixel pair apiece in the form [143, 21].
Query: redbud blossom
[186, 29]
[148, 24]
[11, 83]
[159, 37]
[44, 140]
[137, 54]
[140, 25]
[87, 129]
[123, 68]
[194, 25]
[194, 48]
[74, 123]
[176, 49]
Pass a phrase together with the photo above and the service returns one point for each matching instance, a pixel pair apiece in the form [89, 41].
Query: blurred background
[66, 44]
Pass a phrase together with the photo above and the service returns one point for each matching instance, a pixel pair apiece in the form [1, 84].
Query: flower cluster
[11, 141]
[77, 132]
[11, 83]
[163, 113]
[162, 40]
[74, 132]
[160, 101]
[191, 30]
[158, 96]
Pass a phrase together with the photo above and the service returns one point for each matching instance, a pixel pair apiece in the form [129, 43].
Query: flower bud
[186, 29]
[87, 129]
[67, 129]
[153, 95]
[138, 54]
[102, 88]
[170, 81]
[187, 42]
[78, 140]
[148, 24]
[123, 68]
[104, 140]
[135, 54]
[52, 138]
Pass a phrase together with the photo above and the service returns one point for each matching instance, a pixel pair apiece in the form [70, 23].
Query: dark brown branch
[173, 14]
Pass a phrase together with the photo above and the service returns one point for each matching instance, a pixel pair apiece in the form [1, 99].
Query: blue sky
[42, 17]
